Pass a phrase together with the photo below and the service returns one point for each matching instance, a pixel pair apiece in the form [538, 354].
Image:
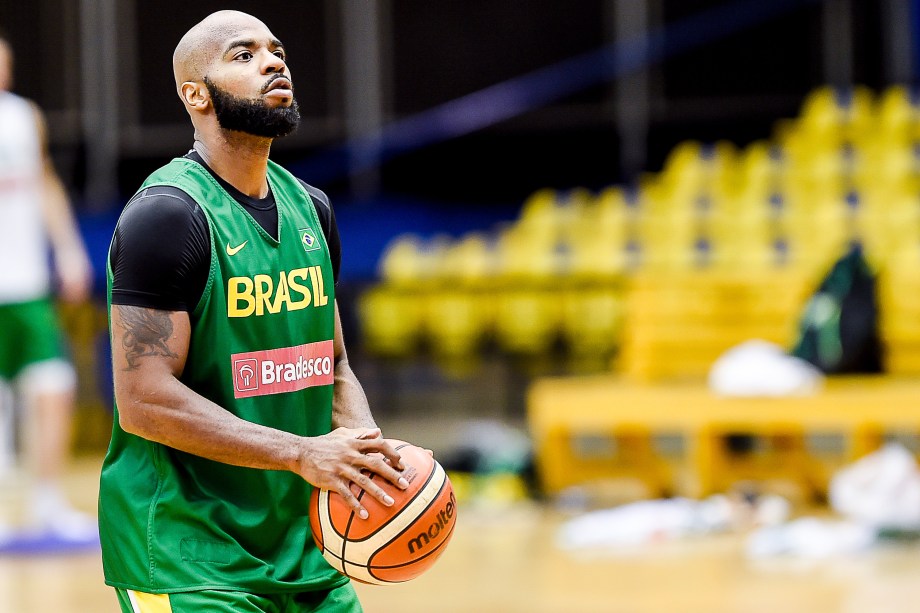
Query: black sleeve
[330, 229]
[161, 251]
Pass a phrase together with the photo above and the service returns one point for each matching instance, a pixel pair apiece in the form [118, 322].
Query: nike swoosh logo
[235, 250]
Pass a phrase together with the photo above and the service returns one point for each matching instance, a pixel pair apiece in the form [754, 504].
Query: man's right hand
[336, 460]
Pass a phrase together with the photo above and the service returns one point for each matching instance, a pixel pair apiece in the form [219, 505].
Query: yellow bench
[601, 427]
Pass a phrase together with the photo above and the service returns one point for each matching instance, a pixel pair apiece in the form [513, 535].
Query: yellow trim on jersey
[142, 602]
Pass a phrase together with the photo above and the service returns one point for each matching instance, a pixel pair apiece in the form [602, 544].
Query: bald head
[206, 41]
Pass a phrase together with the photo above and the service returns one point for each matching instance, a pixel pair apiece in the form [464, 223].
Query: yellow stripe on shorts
[142, 602]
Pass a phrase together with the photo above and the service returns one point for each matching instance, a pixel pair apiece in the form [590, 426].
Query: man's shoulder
[318, 196]
[160, 207]
[166, 202]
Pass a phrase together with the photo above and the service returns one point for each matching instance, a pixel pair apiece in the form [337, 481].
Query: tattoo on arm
[146, 333]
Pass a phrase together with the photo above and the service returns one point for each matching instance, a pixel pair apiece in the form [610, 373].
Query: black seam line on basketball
[332, 523]
[332, 553]
[411, 500]
[351, 517]
[371, 569]
[406, 529]
[369, 566]
[329, 515]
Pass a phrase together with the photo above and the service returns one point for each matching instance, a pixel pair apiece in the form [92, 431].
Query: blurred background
[557, 218]
[497, 149]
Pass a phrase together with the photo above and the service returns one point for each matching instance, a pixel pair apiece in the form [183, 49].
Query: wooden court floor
[503, 560]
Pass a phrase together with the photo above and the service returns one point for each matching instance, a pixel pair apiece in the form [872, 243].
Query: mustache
[274, 78]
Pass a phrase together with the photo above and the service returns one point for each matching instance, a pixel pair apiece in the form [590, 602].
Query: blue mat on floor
[34, 543]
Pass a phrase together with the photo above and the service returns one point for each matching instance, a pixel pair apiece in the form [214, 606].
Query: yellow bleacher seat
[760, 167]
[391, 320]
[597, 243]
[409, 260]
[846, 112]
[899, 311]
[469, 261]
[898, 115]
[677, 325]
[591, 319]
[846, 169]
[694, 169]
[457, 320]
[527, 319]
[539, 205]
[528, 255]
[886, 163]
[599, 257]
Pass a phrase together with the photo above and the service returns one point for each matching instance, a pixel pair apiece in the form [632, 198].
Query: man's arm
[149, 349]
[350, 408]
[72, 265]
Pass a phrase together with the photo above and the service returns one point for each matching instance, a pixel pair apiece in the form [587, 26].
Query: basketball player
[234, 396]
[34, 211]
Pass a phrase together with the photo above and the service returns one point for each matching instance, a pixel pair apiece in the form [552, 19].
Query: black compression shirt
[161, 251]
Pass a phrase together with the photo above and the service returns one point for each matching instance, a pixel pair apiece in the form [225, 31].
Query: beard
[252, 116]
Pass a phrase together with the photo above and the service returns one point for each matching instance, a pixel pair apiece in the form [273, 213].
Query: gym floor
[503, 559]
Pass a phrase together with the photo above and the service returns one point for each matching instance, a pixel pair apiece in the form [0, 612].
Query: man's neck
[239, 159]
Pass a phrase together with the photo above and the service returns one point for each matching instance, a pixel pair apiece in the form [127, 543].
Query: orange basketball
[394, 544]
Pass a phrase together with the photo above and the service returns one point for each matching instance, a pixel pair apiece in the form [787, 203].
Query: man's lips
[279, 83]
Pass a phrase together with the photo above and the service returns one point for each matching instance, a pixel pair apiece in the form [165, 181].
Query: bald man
[233, 392]
[35, 214]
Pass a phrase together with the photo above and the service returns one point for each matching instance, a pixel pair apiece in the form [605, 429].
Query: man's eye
[280, 54]
[245, 56]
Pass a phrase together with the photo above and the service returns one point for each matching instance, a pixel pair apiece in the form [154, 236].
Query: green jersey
[261, 348]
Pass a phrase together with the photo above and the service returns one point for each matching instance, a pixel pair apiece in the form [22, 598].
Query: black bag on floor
[838, 331]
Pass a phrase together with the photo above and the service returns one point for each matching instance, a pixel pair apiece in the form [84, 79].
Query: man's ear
[195, 95]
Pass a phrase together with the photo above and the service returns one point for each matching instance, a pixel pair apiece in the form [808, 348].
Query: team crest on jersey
[308, 239]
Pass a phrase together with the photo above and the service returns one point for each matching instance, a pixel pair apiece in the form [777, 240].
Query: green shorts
[342, 599]
[29, 333]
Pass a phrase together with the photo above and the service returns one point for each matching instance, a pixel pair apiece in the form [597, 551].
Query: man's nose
[273, 64]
